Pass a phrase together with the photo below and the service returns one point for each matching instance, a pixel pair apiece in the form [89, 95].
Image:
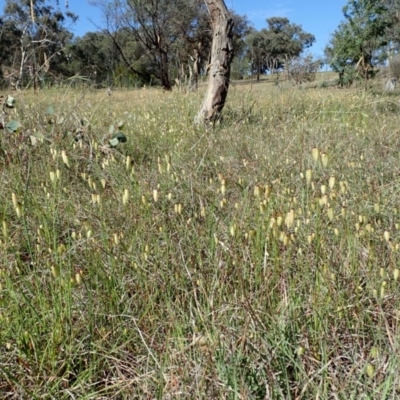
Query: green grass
[188, 263]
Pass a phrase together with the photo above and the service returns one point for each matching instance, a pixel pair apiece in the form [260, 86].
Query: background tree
[42, 31]
[281, 41]
[174, 37]
[303, 69]
[10, 37]
[95, 57]
[359, 41]
[156, 25]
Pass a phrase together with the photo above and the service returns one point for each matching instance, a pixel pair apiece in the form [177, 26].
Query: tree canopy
[158, 42]
[363, 38]
[281, 41]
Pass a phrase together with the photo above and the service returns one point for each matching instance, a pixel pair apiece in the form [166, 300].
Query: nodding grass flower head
[78, 278]
[332, 181]
[223, 187]
[323, 201]
[55, 271]
[155, 195]
[65, 158]
[396, 274]
[330, 214]
[90, 182]
[386, 236]
[370, 370]
[289, 220]
[4, 229]
[52, 176]
[324, 159]
[128, 162]
[369, 228]
[308, 176]
[383, 289]
[14, 200]
[125, 197]
[315, 153]
[17, 205]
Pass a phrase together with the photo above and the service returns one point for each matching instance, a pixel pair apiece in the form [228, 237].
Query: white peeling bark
[220, 66]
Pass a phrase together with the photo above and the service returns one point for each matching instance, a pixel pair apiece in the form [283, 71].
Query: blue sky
[319, 17]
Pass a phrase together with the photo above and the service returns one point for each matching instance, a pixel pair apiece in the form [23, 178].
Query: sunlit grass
[259, 259]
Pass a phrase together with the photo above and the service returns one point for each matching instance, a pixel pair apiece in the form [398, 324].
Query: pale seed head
[155, 195]
[289, 220]
[128, 162]
[223, 188]
[125, 197]
[14, 200]
[315, 154]
[386, 236]
[18, 211]
[65, 158]
[52, 176]
[4, 229]
[78, 278]
[332, 181]
[370, 370]
[308, 176]
[324, 159]
[55, 271]
[330, 213]
[396, 273]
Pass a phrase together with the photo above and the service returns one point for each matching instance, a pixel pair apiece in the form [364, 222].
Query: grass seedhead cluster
[256, 260]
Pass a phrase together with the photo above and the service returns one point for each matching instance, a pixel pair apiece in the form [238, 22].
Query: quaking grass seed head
[315, 154]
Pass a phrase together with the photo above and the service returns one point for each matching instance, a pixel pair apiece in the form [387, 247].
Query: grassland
[255, 260]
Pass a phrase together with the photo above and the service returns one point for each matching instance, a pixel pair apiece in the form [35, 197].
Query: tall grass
[259, 259]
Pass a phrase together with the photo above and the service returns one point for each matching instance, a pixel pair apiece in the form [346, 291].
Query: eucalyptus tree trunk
[194, 72]
[220, 66]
